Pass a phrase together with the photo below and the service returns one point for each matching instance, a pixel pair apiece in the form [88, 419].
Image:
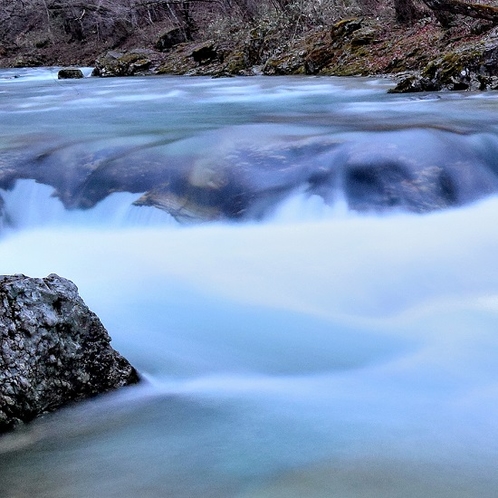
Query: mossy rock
[289, 63]
[236, 63]
[135, 62]
[346, 27]
[363, 36]
[415, 83]
[456, 70]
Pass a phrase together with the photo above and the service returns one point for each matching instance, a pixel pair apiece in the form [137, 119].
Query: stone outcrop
[170, 38]
[53, 349]
[473, 66]
[137, 62]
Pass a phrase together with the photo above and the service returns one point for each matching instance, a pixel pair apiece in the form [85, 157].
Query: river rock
[53, 349]
[70, 73]
[472, 67]
[136, 62]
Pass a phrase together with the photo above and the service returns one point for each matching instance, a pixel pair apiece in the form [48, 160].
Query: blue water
[317, 352]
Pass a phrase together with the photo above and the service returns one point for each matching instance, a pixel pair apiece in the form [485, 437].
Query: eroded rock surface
[53, 349]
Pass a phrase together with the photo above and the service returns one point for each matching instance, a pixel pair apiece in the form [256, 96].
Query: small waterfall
[32, 205]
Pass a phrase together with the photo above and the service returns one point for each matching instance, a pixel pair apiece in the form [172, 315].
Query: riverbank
[423, 56]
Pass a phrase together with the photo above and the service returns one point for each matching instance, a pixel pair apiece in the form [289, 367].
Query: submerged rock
[53, 349]
[235, 177]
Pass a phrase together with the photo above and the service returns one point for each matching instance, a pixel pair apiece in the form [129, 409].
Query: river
[329, 331]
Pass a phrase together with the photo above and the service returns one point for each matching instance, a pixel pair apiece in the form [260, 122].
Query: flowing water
[312, 350]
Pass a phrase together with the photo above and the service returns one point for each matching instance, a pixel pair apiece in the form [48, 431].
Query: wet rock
[414, 83]
[2, 212]
[53, 349]
[473, 67]
[70, 73]
[136, 62]
[381, 178]
[202, 194]
[239, 177]
[390, 185]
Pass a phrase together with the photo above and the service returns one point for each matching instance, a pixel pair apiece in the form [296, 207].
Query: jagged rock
[204, 52]
[53, 349]
[325, 50]
[70, 73]
[473, 67]
[136, 62]
[414, 83]
[170, 39]
[292, 62]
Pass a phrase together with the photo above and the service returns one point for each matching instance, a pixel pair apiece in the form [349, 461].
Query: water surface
[313, 350]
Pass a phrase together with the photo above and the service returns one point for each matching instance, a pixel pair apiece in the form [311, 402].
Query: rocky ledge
[53, 349]
[421, 57]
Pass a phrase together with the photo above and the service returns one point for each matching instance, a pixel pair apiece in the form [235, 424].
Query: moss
[236, 63]
[453, 65]
[345, 27]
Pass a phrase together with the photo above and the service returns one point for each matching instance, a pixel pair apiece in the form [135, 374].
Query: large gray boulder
[53, 349]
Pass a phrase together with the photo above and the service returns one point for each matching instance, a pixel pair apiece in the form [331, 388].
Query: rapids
[312, 350]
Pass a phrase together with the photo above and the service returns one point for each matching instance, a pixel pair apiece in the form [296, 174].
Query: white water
[320, 353]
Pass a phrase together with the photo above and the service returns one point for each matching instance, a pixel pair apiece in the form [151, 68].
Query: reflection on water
[317, 353]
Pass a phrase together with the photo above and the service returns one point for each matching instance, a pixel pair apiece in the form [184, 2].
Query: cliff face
[53, 349]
